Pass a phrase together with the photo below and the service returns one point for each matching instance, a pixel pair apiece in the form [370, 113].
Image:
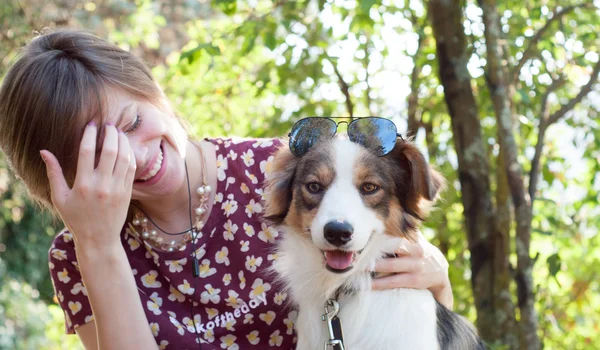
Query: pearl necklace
[150, 236]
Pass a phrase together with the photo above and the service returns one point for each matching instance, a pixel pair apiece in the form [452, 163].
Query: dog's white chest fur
[383, 320]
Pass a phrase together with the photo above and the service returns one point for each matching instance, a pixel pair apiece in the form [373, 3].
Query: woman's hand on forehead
[95, 208]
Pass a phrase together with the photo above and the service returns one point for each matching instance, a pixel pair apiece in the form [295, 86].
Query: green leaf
[195, 53]
[229, 7]
[554, 264]
[366, 5]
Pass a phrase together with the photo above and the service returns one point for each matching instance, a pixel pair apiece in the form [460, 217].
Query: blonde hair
[57, 86]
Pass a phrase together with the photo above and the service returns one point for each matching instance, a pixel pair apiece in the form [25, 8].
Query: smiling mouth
[155, 168]
[339, 261]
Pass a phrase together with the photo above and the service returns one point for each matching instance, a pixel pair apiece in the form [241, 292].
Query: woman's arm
[94, 210]
[119, 318]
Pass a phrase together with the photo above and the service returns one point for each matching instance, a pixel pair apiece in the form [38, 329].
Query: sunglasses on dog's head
[374, 133]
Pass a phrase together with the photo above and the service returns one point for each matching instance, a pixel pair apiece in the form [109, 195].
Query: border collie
[341, 208]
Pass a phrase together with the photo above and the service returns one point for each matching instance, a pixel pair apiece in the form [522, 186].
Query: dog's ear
[416, 182]
[278, 185]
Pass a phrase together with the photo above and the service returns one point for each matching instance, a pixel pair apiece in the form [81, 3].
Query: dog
[340, 209]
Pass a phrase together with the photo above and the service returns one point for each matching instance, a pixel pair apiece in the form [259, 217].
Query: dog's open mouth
[339, 261]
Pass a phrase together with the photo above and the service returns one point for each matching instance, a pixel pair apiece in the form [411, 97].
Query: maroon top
[236, 303]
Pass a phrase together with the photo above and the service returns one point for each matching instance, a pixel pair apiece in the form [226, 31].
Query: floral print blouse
[235, 302]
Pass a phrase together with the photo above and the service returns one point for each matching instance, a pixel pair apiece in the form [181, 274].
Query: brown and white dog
[341, 208]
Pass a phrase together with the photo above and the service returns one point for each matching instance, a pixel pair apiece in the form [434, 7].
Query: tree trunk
[494, 307]
[498, 83]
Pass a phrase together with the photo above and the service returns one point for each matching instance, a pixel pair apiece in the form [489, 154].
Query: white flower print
[272, 257]
[133, 244]
[211, 312]
[229, 324]
[263, 143]
[230, 206]
[267, 317]
[248, 319]
[289, 322]
[244, 188]
[174, 294]
[219, 197]
[252, 263]
[211, 294]
[200, 251]
[259, 288]
[275, 339]
[242, 280]
[228, 342]
[252, 177]
[227, 279]
[149, 280]
[249, 229]
[253, 208]
[222, 256]
[60, 296]
[88, 318]
[279, 298]
[233, 300]
[67, 237]
[245, 246]
[267, 233]
[63, 276]
[78, 287]
[230, 181]
[209, 335]
[206, 270]
[75, 307]
[267, 165]
[253, 337]
[59, 254]
[248, 158]
[221, 167]
[230, 230]
[155, 328]
[186, 288]
[176, 265]
[154, 303]
[163, 344]
[232, 155]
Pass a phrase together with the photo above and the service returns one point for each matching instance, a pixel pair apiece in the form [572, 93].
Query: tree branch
[536, 38]
[345, 89]
[575, 100]
[413, 97]
[544, 115]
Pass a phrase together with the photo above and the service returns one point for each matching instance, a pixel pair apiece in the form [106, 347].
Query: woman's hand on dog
[418, 265]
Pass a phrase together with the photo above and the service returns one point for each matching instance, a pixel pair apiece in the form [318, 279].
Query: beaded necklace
[150, 236]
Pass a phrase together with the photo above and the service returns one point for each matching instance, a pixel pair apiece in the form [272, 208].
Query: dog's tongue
[338, 259]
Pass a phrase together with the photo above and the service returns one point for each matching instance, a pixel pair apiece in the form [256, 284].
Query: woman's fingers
[130, 177]
[400, 280]
[110, 150]
[398, 265]
[58, 185]
[123, 157]
[87, 152]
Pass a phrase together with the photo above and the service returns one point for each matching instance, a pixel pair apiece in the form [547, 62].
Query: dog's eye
[369, 188]
[314, 187]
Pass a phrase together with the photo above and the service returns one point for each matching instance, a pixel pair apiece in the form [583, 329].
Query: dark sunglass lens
[308, 132]
[376, 134]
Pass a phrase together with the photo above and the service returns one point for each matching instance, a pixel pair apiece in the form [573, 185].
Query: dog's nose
[338, 233]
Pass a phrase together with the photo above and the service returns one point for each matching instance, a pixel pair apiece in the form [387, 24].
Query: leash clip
[334, 325]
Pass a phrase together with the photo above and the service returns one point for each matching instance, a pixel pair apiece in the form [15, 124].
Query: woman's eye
[369, 188]
[136, 123]
[314, 187]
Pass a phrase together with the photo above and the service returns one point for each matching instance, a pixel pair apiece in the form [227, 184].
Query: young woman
[164, 245]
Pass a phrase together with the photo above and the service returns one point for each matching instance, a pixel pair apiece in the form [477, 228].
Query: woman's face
[158, 142]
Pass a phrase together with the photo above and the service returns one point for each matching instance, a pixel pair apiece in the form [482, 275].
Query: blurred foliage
[251, 68]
